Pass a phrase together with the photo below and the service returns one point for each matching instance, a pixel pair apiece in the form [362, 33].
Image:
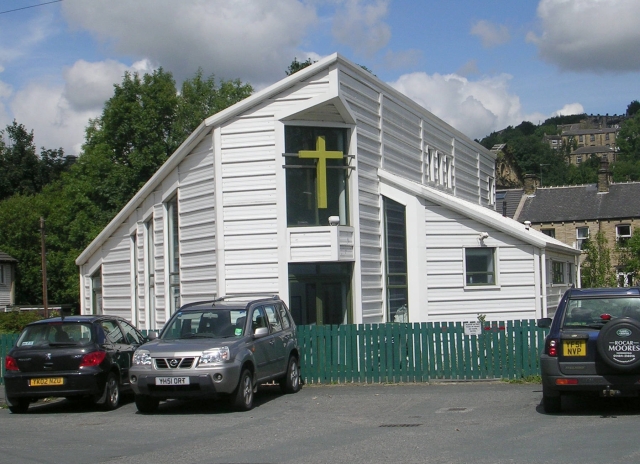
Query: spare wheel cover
[619, 343]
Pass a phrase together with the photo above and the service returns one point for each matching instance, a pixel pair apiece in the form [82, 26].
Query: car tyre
[243, 396]
[551, 404]
[18, 405]
[146, 404]
[110, 398]
[290, 383]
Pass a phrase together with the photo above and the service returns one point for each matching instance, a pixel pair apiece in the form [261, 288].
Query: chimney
[604, 176]
[531, 183]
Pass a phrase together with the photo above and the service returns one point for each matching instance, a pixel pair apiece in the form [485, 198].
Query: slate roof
[582, 202]
[5, 258]
[512, 198]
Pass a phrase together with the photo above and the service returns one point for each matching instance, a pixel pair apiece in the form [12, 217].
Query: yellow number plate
[574, 347]
[46, 381]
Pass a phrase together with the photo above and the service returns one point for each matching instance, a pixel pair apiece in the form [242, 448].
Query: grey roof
[512, 198]
[589, 131]
[5, 258]
[582, 202]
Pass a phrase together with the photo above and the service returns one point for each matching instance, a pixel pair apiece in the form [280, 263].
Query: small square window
[480, 266]
[623, 232]
[550, 232]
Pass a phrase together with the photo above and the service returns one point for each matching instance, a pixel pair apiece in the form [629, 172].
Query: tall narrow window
[491, 190]
[395, 223]
[623, 233]
[316, 175]
[582, 234]
[557, 269]
[96, 292]
[174, 254]
[134, 278]
[150, 266]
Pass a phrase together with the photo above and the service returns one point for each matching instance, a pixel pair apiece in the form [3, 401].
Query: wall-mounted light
[527, 224]
[483, 235]
[334, 220]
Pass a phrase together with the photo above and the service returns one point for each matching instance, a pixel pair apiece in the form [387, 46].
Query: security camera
[484, 235]
[334, 220]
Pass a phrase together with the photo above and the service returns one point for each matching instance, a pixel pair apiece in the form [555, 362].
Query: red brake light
[553, 348]
[93, 359]
[11, 364]
[605, 317]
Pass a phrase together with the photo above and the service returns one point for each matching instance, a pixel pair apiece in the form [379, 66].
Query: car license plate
[172, 380]
[574, 347]
[46, 381]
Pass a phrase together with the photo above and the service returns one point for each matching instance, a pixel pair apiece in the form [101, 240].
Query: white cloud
[254, 40]
[89, 85]
[59, 114]
[476, 108]
[361, 25]
[589, 35]
[569, 109]
[490, 34]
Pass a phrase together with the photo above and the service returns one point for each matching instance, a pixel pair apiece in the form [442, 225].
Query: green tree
[596, 268]
[296, 65]
[140, 127]
[633, 108]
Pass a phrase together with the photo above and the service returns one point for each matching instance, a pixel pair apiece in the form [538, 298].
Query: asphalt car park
[483, 422]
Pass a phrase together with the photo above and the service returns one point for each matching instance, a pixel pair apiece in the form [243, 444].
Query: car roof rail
[230, 296]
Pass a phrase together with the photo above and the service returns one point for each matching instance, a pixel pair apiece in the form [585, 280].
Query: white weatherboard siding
[447, 233]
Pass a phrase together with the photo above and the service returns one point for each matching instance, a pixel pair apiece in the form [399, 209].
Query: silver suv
[226, 347]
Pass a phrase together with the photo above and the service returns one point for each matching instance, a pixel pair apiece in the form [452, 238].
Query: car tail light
[10, 364]
[93, 359]
[566, 381]
[552, 348]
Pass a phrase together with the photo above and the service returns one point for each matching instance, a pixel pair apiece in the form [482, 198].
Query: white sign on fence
[472, 328]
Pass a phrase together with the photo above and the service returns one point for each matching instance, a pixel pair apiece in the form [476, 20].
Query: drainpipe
[543, 282]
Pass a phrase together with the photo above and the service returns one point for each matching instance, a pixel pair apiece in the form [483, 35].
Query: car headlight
[215, 355]
[141, 358]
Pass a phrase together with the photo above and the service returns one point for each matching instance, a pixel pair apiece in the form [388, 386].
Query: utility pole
[43, 251]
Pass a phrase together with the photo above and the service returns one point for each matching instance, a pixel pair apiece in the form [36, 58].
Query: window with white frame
[557, 272]
[173, 240]
[150, 267]
[96, 292]
[436, 168]
[480, 266]
[570, 269]
[491, 185]
[623, 233]
[582, 234]
[2, 274]
[427, 164]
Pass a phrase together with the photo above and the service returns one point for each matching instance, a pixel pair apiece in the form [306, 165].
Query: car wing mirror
[544, 323]
[261, 332]
[152, 335]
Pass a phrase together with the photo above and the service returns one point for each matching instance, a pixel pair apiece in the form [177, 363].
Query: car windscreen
[218, 323]
[56, 334]
[589, 312]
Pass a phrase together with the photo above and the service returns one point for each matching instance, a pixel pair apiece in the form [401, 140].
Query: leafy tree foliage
[141, 125]
[23, 171]
[633, 107]
[596, 268]
[296, 65]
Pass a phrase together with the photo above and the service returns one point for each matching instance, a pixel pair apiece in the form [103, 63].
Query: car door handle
[272, 342]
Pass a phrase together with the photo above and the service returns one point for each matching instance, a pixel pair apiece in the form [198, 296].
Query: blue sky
[481, 66]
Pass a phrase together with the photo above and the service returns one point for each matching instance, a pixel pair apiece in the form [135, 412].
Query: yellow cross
[322, 155]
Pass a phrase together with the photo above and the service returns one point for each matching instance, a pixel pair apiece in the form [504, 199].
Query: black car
[73, 357]
[593, 346]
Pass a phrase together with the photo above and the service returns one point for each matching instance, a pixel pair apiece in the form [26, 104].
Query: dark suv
[593, 345]
[71, 357]
[221, 347]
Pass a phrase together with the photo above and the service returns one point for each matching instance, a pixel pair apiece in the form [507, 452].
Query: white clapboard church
[340, 194]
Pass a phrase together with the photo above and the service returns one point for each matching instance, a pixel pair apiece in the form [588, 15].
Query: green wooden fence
[379, 353]
[6, 343]
[421, 352]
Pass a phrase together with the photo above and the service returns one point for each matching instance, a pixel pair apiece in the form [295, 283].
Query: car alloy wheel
[244, 392]
[290, 383]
